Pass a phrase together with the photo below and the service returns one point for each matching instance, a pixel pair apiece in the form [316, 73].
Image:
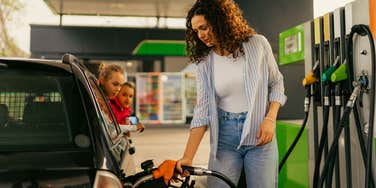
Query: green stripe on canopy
[160, 47]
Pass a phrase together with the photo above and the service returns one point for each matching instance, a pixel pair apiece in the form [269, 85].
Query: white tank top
[229, 83]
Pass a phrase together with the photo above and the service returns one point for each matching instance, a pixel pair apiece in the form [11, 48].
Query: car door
[117, 142]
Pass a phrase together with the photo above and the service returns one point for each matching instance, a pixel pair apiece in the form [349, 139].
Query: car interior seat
[4, 114]
[44, 113]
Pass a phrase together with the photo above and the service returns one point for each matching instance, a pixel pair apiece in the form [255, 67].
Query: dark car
[56, 127]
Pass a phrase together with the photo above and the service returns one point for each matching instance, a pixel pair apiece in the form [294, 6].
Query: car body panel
[85, 145]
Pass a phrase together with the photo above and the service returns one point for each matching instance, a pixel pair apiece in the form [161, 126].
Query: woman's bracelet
[270, 119]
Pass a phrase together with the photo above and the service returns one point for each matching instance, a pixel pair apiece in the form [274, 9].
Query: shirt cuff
[199, 122]
[278, 97]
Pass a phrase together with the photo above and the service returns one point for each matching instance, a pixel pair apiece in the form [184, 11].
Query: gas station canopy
[161, 47]
[142, 8]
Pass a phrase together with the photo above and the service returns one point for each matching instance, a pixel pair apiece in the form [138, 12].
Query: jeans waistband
[231, 115]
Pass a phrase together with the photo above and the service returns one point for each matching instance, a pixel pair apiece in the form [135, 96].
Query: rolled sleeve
[201, 111]
[275, 79]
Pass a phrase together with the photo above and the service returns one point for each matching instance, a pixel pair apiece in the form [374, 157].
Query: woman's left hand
[266, 132]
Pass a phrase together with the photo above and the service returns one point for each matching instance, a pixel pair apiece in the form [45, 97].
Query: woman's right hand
[194, 140]
[183, 161]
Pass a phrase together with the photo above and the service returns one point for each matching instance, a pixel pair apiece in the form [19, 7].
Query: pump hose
[364, 30]
[332, 151]
[224, 178]
[336, 119]
[205, 172]
[307, 101]
[286, 156]
[363, 148]
[323, 144]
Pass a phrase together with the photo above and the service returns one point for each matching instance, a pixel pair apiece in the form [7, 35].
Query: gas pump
[327, 62]
[346, 57]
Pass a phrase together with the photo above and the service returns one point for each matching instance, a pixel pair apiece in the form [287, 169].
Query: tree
[7, 46]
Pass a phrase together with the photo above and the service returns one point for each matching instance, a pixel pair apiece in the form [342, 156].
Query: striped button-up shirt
[263, 83]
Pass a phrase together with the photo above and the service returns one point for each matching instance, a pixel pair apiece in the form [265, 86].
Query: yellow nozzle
[310, 79]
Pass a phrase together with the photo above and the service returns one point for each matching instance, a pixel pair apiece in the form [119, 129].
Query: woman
[240, 90]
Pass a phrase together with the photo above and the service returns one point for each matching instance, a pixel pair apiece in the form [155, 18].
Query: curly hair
[228, 26]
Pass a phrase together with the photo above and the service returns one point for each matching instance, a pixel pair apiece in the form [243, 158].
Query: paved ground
[164, 142]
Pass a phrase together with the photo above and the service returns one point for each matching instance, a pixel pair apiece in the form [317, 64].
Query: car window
[39, 108]
[106, 115]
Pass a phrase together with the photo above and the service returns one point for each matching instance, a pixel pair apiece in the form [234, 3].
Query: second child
[122, 107]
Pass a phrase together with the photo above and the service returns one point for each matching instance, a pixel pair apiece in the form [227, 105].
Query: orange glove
[165, 170]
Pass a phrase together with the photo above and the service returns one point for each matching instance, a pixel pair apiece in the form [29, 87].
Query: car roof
[53, 63]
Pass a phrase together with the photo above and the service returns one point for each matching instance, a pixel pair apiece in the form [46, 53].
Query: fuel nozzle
[307, 98]
[147, 165]
[357, 89]
[307, 82]
[340, 74]
[310, 77]
[326, 75]
[197, 170]
[203, 172]
[165, 171]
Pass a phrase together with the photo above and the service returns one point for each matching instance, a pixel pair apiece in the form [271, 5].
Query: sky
[33, 11]
[37, 12]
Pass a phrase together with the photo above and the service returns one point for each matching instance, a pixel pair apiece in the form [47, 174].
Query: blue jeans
[260, 162]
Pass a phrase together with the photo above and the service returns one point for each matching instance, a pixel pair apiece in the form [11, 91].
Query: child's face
[113, 85]
[125, 96]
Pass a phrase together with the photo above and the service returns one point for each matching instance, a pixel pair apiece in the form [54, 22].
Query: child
[121, 106]
[111, 77]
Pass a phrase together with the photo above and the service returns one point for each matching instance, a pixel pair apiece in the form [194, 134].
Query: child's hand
[127, 134]
[127, 122]
[140, 127]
